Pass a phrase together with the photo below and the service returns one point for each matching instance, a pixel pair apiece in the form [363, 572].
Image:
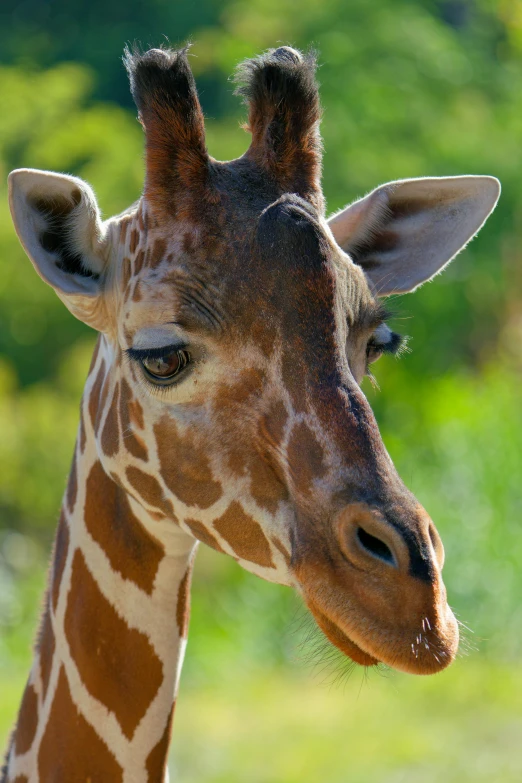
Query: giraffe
[223, 405]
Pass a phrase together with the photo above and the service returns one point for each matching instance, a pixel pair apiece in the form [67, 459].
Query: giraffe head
[237, 325]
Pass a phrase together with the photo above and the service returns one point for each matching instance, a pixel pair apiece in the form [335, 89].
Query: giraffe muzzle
[384, 601]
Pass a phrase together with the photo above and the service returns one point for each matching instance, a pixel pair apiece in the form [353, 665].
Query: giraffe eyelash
[139, 354]
[396, 345]
[159, 385]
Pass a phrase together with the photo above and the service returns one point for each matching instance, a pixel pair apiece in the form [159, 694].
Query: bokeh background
[409, 88]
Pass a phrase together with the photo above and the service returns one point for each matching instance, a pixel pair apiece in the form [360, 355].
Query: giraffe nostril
[374, 546]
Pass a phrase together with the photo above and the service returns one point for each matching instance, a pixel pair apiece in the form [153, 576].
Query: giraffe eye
[162, 370]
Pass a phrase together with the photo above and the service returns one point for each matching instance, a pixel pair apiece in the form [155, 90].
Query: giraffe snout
[386, 600]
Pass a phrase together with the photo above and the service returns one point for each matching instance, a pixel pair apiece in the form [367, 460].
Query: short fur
[165, 94]
[281, 92]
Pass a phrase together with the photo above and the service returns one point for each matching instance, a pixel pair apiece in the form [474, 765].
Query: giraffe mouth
[436, 652]
[339, 638]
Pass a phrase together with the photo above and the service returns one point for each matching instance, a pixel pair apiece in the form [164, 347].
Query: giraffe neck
[101, 693]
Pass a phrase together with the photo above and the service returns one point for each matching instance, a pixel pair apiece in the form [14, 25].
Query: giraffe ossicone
[223, 405]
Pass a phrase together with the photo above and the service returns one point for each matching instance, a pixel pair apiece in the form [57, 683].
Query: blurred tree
[44, 32]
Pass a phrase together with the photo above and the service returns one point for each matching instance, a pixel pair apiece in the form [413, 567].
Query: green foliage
[408, 89]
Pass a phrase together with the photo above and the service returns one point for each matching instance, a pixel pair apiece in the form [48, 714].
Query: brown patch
[27, 721]
[149, 489]
[110, 439]
[280, 546]
[126, 272]
[158, 253]
[237, 459]
[230, 403]
[244, 535]
[265, 487]
[184, 467]
[272, 426]
[134, 239]
[305, 458]
[131, 441]
[95, 394]
[156, 763]
[245, 390]
[138, 261]
[262, 336]
[71, 749]
[183, 603]
[127, 335]
[294, 371]
[72, 485]
[270, 433]
[136, 293]
[202, 534]
[132, 552]
[117, 664]
[21, 779]
[46, 647]
[188, 243]
[61, 547]
[124, 224]
[136, 413]
[136, 446]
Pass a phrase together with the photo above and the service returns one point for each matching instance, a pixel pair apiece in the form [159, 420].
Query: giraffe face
[263, 445]
[225, 395]
[227, 430]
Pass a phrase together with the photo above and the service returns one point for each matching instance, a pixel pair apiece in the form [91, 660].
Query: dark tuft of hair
[281, 81]
[159, 74]
[283, 72]
[282, 95]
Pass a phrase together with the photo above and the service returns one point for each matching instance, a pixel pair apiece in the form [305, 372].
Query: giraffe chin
[341, 641]
[420, 664]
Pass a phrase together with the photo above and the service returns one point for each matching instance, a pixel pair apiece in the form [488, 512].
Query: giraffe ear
[58, 223]
[405, 232]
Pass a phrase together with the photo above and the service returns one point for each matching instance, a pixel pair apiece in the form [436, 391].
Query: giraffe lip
[423, 663]
[341, 640]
